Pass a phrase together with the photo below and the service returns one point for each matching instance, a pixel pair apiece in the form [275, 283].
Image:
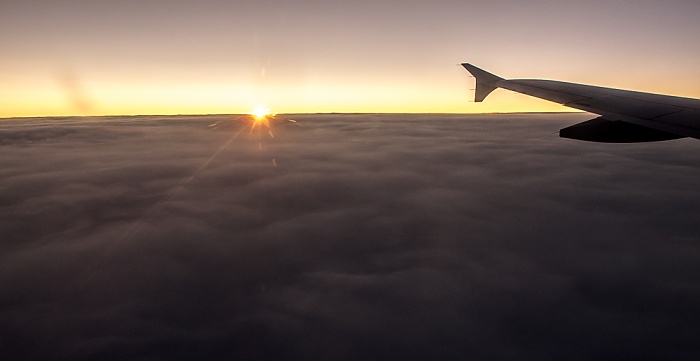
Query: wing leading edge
[625, 116]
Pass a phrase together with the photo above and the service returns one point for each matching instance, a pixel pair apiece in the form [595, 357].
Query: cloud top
[368, 237]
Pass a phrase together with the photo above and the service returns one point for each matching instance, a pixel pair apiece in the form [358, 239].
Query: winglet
[485, 81]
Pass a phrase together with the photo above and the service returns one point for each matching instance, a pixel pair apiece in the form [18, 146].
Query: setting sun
[260, 113]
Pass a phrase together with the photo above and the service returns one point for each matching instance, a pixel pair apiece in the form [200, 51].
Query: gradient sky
[167, 57]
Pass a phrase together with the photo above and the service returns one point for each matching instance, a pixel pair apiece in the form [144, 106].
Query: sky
[344, 237]
[220, 57]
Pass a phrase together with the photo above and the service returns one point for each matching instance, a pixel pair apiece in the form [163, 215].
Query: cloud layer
[344, 237]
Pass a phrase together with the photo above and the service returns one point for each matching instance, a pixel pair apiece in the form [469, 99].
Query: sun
[260, 118]
[260, 113]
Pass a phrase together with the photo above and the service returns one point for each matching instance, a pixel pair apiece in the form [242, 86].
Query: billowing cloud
[367, 237]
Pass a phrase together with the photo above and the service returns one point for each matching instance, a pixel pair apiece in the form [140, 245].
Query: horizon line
[294, 113]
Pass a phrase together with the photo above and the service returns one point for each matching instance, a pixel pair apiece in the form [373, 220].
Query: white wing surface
[625, 116]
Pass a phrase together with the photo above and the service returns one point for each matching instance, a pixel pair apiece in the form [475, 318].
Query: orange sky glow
[99, 58]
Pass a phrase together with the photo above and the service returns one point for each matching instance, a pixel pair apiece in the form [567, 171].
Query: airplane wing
[625, 116]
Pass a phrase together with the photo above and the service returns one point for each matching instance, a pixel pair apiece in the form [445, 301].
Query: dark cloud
[368, 237]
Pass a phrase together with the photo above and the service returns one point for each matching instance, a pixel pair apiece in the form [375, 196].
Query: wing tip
[485, 82]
